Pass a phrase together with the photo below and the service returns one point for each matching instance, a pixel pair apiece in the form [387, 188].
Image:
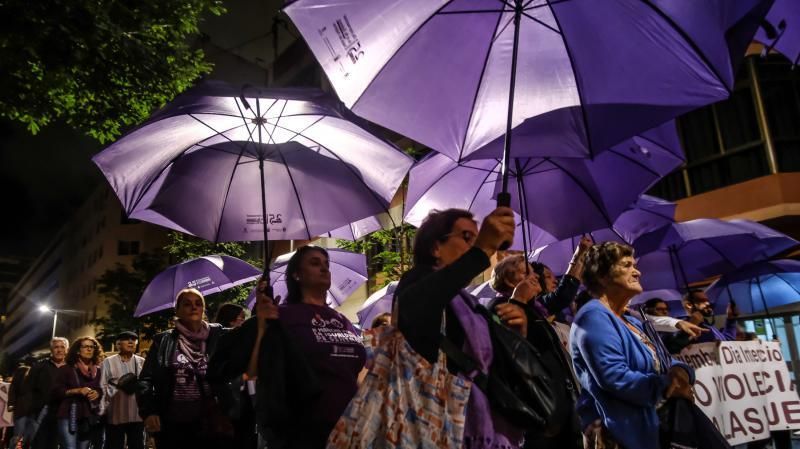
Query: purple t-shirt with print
[334, 350]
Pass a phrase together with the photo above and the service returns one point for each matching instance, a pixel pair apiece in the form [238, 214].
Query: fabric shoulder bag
[404, 401]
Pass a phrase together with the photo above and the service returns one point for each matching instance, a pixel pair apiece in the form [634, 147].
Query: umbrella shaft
[512, 85]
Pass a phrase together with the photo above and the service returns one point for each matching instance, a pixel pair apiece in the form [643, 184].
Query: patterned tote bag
[404, 401]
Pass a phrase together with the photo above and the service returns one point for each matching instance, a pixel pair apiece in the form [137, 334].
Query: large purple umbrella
[572, 78]
[781, 29]
[199, 165]
[377, 303]
[356, 230]
[676, 255]
[348, 272]
[562, 196]
[759, 287]
[209, 274]
[646, 214]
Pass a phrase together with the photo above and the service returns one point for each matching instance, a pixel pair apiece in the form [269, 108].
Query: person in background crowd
[230, 315]
[449, 251]
[620, 368]
[675, 333]
[383, 319]
[173, 391]
[119, 372]
[19, 404]
[558, 294]
[701, 313]
[520, 286]
[77, 387]
[43, 405]
[307, 338]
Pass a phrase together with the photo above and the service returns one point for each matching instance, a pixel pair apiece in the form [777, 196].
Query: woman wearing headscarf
[174, 393]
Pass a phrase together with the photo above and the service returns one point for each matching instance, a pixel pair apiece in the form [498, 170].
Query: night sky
[43, 180]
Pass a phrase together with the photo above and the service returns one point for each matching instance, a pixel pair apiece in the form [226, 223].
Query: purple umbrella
[198, 165]
[209, 274]
[676, 255]
[348, 272]
[356, 230]
[759, 287]
[781, 29]
[572, 78]
[377, 303]
[562, 196]
[673, 298]
[646, 214]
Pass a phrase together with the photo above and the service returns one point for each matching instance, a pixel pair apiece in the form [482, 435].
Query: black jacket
[156, 382]
[40, 383]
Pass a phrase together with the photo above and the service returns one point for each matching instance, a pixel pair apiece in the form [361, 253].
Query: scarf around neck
[88, 370]
[192, 344]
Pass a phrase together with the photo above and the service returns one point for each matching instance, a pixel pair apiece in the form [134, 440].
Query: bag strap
[464, 362]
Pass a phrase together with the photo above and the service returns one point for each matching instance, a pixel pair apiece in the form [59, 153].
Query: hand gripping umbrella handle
[504, 200]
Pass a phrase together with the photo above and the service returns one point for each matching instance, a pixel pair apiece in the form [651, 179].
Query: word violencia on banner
[744, 387]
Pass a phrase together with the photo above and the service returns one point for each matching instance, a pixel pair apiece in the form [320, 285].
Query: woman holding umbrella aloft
[305, 379]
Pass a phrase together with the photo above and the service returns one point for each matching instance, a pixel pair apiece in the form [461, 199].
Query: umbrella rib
[716, 250]
[277, 120]
[663, 147]
[578, 88]
[477, 191]
[541, 23]
[640, 164]
[228, 189]
[473, 11]
[296, 194]
[689, 41]
[478, 87]
[410, 36]
[586, 191]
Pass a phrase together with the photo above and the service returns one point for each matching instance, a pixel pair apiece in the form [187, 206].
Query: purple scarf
[192, 344]
[483, 428]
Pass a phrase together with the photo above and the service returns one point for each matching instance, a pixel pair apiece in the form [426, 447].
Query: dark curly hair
[434, 229]
[75, 347]
[294, 293]
[598, 262]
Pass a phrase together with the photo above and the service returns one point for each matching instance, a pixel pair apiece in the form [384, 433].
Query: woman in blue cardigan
[616, 363]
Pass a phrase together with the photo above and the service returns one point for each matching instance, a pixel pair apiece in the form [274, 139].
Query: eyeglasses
[468, 236]
[88, 346]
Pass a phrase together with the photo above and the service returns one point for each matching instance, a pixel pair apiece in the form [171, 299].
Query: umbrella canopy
[198, 165]
[348, 272]
[678, 254]
[562, 196]
[673, 298]
[356, 230]
[646, 214]
[781, 29]
[377, 303]
[758, 288]
[209, 274]
[581, 75]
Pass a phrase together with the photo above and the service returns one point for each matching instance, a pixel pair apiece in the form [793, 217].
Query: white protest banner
[744, 387]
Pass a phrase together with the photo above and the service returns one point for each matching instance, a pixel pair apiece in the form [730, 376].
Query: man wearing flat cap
[118, 380]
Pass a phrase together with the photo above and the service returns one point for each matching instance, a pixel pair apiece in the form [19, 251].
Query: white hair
[61, 339]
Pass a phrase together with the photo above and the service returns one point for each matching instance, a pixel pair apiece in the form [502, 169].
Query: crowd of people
[284, 377]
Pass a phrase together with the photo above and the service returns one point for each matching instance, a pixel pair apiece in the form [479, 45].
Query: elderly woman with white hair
[173, 388]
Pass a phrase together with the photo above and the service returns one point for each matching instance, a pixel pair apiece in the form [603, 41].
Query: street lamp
[44, 309]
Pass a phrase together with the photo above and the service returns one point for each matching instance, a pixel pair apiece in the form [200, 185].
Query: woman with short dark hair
[620, 368]
[230, 315]
[77, 386]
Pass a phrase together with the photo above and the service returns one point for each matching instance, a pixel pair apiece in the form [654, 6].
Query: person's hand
[152, 424]
[679, 386]
[266, 307]
[733, 311]
[583, 246]
[527, 289]
[692, 330]
[513, 316]
[497, 227]
[92, 395]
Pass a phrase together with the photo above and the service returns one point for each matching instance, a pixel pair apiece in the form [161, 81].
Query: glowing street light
[44, 309]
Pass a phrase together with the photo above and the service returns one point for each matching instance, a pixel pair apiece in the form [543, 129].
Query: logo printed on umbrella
[200, 283]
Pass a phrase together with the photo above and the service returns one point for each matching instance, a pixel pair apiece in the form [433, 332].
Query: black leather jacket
[156, 382]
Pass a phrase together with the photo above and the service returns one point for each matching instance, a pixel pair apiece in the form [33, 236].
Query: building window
[126, 248]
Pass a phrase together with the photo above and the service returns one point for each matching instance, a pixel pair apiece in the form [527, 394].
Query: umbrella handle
[504, 200]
